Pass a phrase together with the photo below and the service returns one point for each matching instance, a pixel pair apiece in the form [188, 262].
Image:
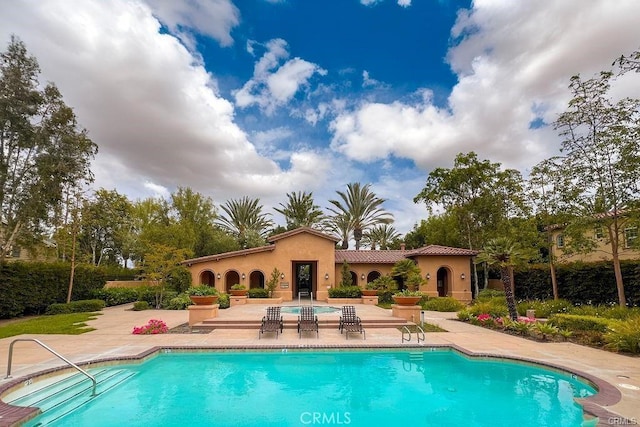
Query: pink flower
[484, 317]
[154, 326]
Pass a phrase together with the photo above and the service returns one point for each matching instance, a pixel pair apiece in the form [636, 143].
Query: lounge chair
[350, 322]
[307, 321]
[272, 322]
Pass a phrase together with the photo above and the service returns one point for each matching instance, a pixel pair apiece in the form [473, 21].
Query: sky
[262, 98]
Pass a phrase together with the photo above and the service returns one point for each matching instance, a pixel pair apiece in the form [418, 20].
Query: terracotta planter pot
[203, 299]
[406, 300]
[238, 292]
[369, 292]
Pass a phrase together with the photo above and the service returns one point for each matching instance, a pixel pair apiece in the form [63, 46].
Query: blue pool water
[318, 309]
[350, 388]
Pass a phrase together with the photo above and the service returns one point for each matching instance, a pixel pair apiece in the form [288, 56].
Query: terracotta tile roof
[229, 254]
[302, 230]
[369, 257]
[441, 250]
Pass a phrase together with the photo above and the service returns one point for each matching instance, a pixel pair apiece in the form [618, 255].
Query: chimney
[402, 246]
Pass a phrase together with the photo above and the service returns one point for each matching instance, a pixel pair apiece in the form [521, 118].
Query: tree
[480, 195]
[505, 254]
[345, 273]
[245, 220]
[362, 208]
[383, 236]
[442, 229]
[300, 211]
[158, 265]
[42, 149]
[601, 161]
[340, 225]
[409, 272]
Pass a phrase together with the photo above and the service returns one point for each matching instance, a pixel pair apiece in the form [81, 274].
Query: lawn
[67, 324]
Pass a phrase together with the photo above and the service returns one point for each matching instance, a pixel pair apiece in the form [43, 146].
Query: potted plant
[239, 290]
[370, 289]
[203, 295]
[407, 297]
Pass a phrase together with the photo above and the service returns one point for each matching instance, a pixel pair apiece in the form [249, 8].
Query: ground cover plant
[69, 324]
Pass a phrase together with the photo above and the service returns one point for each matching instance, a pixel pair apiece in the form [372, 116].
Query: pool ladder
[406, 334]
[55, 353]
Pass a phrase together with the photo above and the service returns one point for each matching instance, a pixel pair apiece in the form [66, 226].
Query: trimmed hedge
[82, 306]
[345, 292]
[258, 293]
[574, 322]
[29, 288]
[446, 304]
[580, 283]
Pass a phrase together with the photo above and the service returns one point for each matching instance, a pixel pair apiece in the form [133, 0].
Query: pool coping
[593, 406]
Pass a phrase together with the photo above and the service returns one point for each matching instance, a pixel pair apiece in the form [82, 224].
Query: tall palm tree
[244, 219]
[362, 207]
[340, 225]
[300, 211]
[505, 254]
[382, 236]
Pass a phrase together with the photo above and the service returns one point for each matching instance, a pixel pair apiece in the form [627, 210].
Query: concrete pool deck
[112, 338]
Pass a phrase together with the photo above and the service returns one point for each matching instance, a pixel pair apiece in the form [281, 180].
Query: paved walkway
[113, 338]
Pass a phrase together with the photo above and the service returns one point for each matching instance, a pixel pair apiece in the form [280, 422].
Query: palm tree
[300, 211]
[363, 209]
[245, 220]
[504, 253]
[381, 235]
[340, 225]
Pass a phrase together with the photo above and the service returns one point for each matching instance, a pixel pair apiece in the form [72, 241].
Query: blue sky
[266, 97]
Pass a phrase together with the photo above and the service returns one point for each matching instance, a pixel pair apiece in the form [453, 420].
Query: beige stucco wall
[602, 252]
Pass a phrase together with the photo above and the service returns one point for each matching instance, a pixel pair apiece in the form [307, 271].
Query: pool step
[416, 356]
[58, 398]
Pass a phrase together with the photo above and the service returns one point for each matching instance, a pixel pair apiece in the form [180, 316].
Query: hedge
[580, 283]
[574, 322]
[29, 288]
[345, 292]
[82, 306]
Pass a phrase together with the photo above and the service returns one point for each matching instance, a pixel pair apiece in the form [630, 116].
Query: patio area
[619, 375]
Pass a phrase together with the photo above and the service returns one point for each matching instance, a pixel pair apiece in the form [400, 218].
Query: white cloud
[514, 61]
[402, 3]
[274, 85]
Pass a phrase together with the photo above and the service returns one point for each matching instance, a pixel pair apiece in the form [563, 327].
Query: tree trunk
[508, 293]
[554, 279]
[357, 236]
[614, 235]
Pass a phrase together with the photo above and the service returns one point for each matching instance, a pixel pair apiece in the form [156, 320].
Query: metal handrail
[55, 353]
[404, 328]
[418, 332]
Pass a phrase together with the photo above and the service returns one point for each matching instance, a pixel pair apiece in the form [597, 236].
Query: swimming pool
[317, 309]
[434, 387]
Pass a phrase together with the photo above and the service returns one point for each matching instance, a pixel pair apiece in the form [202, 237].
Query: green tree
[601, 161]
[300, 211]
[340, 225]
[480, 195]
[362, 208]
[407, 270]
[345, 273]
[503, 253]
[246, 221]
[42, 149]
[383, 236]
[442, 229]
[158, 266]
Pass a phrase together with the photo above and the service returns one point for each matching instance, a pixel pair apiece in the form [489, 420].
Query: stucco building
[310, 263]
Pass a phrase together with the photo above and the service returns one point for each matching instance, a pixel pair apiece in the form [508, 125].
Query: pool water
[354, 388]
[318, 309]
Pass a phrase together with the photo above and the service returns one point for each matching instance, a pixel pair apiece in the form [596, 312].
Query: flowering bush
[153, 327]
[484, 317]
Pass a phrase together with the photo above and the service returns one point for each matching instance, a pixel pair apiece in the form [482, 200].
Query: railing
[418, 332]
[55, 353]
[406, 331]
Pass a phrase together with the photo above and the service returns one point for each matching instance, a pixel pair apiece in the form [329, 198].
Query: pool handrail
[418, 332]
[404, 328]
[55, 353]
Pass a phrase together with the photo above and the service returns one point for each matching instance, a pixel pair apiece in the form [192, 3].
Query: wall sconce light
[362, 277]
[282, 276]
[243, 276]
[428, 276]
[218, 276]
[462, 276]
[326, 276]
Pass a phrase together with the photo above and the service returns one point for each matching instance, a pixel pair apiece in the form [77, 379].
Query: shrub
[574, 322]
[545, 329]
[82, 306]
[153, 327]
[443, 304]
[496, 307]
[488, 294]
[385, 297]
[179, 279]
[202, 290]
[180, 302]
[258, 293]
[545, 308]
[624, 335]
[223, 301]
[345, 292]
[464, 315]
[141, 305]
[116, 296]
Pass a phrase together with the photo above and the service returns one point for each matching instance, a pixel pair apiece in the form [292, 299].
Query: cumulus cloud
[513, 62]
[146, 100]
[274, 84]
[402, 3]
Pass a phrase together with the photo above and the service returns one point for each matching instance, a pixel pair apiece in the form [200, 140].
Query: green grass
[427, 327]
[67, 324]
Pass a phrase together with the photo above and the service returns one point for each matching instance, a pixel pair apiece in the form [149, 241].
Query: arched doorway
[354, 278]
[256, 279]
[373, 275]
[443, 282]
[231, 278]
[207, 278]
